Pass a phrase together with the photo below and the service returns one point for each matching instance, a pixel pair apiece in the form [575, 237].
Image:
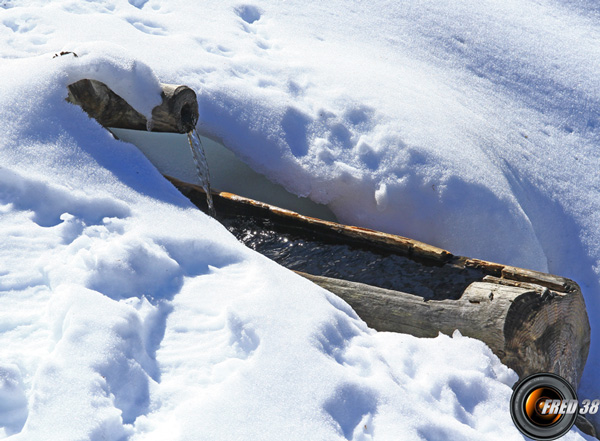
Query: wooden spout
[178, 112]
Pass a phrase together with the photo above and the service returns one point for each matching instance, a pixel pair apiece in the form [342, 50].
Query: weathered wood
[586, 426]
[232, 204]
[529, 327]
[533, 321]
[178, 112]
[551, 281]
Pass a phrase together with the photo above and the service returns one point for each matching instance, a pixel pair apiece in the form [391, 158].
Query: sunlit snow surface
[127, 314]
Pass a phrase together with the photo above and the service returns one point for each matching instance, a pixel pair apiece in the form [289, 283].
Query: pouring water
[202, 167]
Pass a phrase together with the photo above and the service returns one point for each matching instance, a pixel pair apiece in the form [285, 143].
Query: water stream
[202, 167]
[306, 251]
[309, 252]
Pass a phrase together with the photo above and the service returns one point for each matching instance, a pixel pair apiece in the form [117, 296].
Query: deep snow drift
[127, 313]
[472, 125]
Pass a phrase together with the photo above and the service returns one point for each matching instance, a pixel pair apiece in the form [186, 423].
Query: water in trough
[301, 251]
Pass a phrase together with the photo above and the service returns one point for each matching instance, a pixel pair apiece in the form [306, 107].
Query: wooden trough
[533, 321]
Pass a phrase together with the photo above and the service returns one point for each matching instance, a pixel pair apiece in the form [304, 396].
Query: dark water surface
[313, 255]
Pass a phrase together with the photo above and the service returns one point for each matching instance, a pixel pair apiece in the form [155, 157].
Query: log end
[178, 111]
[548, 332]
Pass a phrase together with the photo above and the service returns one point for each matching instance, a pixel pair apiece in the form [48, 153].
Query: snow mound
[128, 314]
[472, 126]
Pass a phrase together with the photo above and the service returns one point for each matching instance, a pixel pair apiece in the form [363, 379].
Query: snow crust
[126, 314]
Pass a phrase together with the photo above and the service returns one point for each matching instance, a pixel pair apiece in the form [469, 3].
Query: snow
[127, 314]
[170, 153]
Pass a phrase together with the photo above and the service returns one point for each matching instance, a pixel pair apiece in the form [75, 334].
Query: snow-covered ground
[127, 314]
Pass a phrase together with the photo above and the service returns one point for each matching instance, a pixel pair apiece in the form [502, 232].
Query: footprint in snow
[147, 27]
[248, 13]
[13, 402]
[138, 3]
[352, 407]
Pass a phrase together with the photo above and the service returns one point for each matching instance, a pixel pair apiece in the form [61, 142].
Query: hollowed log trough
[534, 322]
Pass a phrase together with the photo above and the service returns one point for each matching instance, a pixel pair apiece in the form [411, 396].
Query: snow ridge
[127, 314]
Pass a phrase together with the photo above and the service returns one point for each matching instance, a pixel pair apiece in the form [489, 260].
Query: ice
[127, 314]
